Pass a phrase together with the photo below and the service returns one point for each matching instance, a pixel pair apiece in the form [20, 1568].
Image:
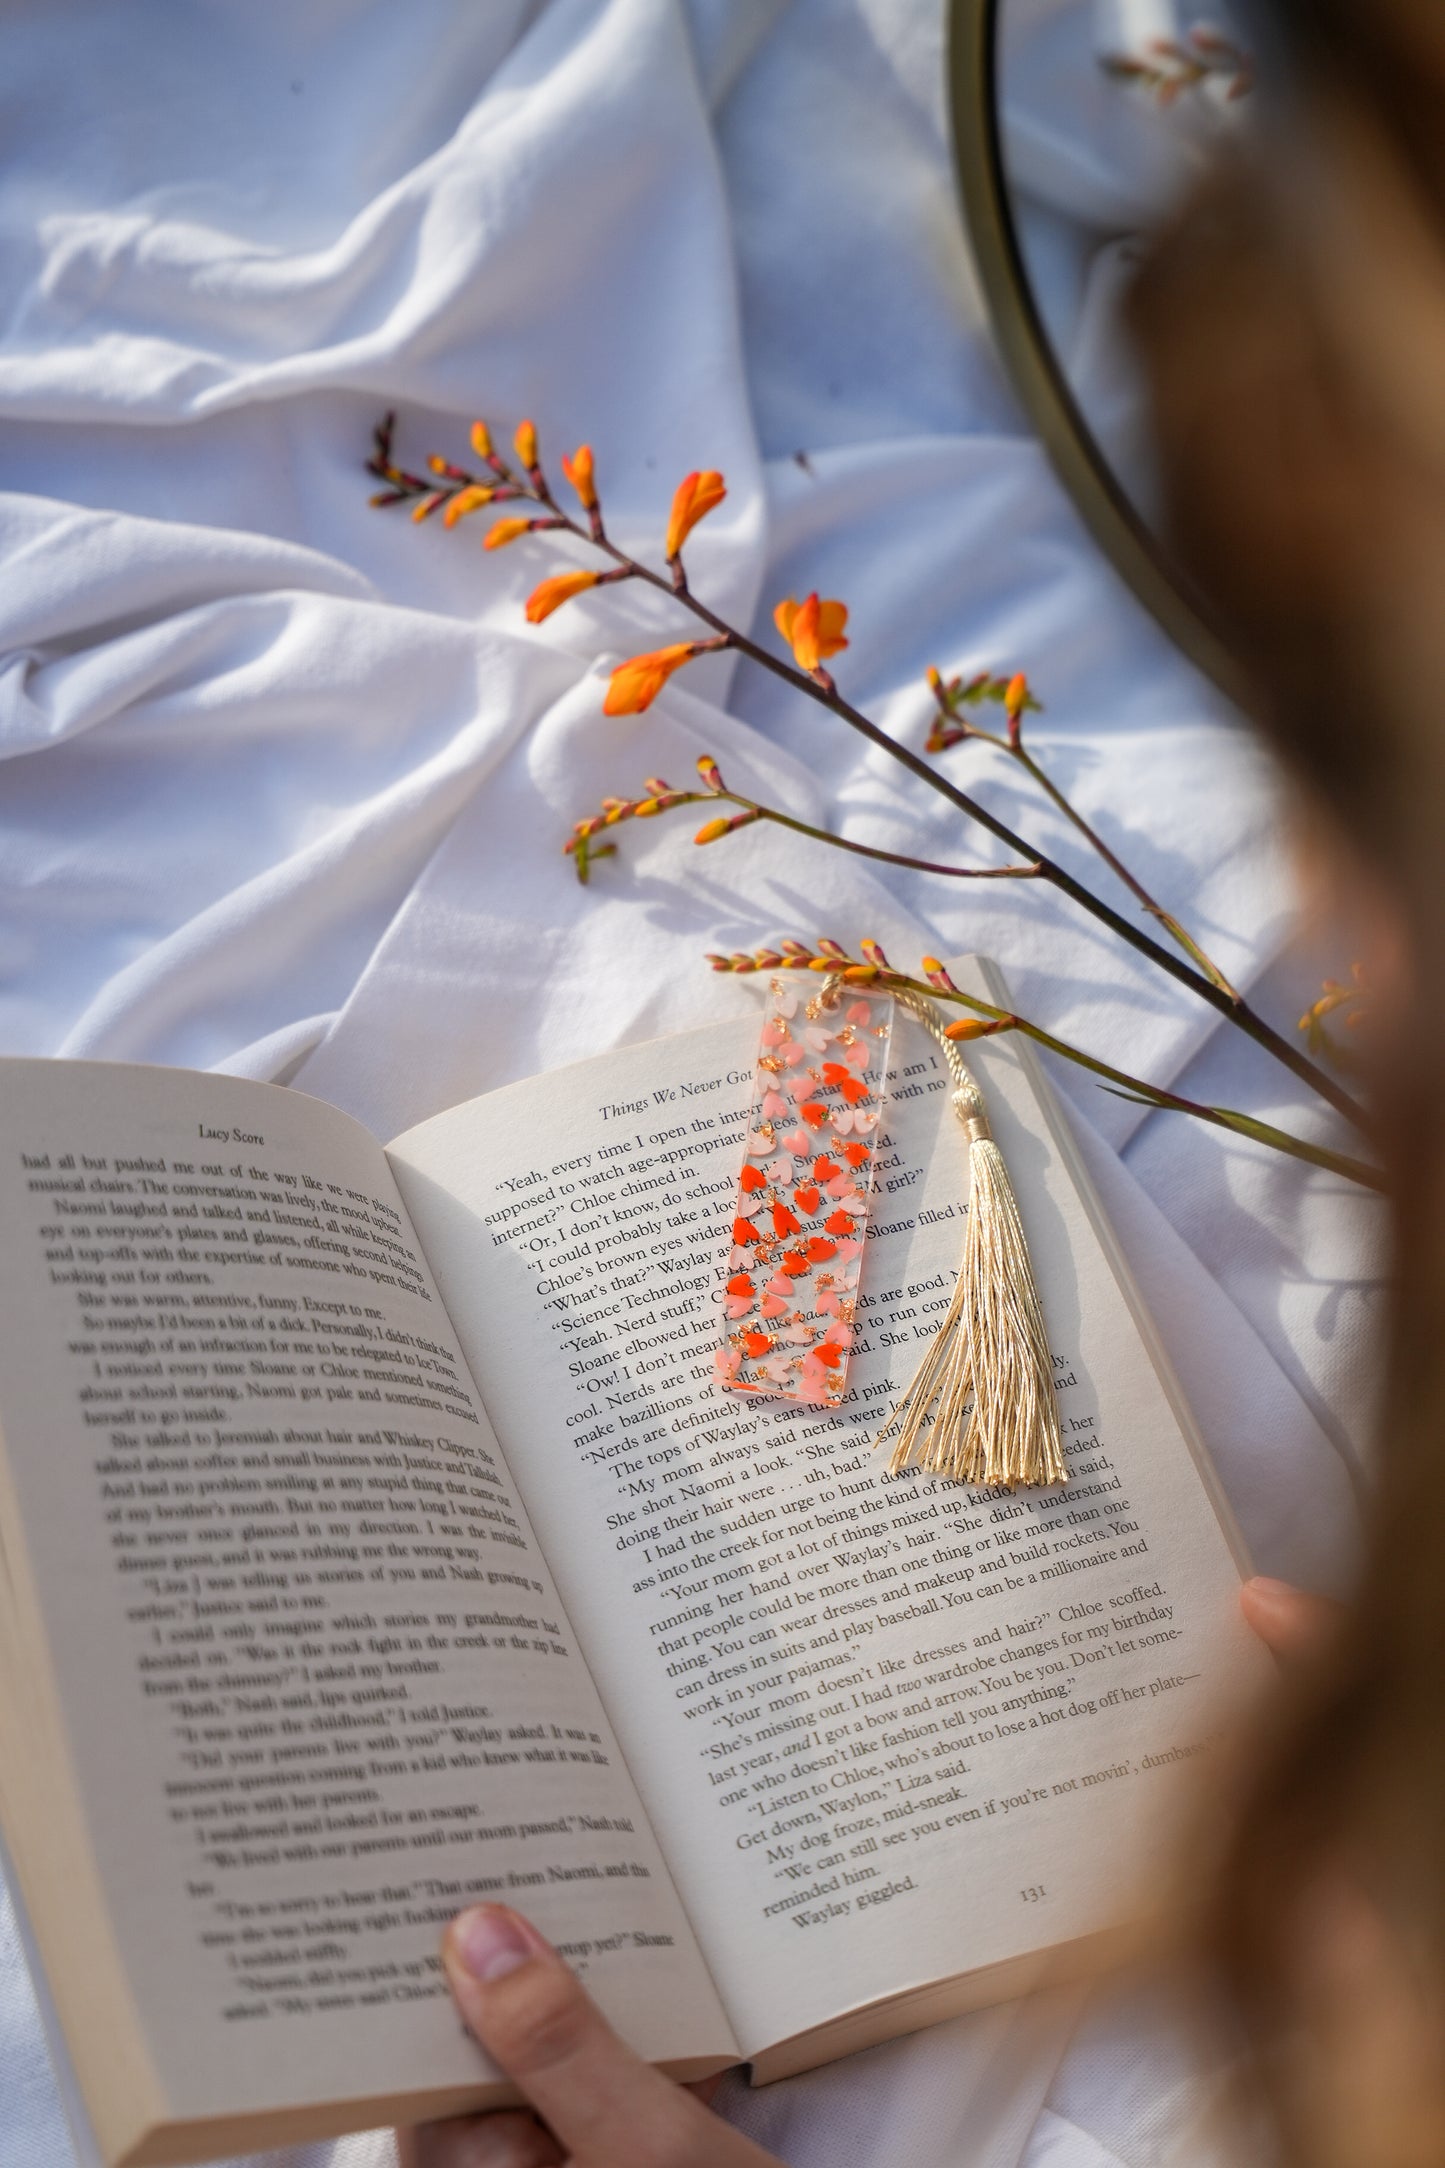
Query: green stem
[861, 850]
[1154, 1095]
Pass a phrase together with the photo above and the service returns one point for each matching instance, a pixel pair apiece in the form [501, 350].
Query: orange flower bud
[710, 772]
[505, 531]
[646, 807]
[718, 963]
[874, 954]
[1016, 697]
[697, 494]
[935, 678]
[636, 684]
[466, 500]
[553, 593]
[973, 1027]
[812, 629]
[578, 470]
[861, 974]
[481, 440]
[526, 443]
[711, 830]
[427, 505]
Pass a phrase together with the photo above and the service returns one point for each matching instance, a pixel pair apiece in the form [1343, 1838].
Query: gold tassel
[988, 1369]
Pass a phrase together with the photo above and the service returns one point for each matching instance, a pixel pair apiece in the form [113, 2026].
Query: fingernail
[1261, 1585]
[490, 1943]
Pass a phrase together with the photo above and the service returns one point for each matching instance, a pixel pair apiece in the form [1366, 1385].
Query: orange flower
[481, 440]
[812, 629]
[697, 494]
[526, 443]
[1016, 697]
[505, 531]
[553, 593]
[578, 470]
[636, 684]
[711, 831]
[466, 500]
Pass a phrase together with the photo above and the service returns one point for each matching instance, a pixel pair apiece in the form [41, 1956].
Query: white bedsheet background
[285, 781]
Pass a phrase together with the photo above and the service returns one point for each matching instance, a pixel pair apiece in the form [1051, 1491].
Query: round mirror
[1078, 126]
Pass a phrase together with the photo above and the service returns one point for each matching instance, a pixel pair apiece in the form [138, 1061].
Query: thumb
[1294, 1626]
[530, 2013]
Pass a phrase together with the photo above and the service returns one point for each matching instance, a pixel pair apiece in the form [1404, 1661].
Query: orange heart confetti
[825, 1170]
[758, 1343]
[807, 1199]
[820, 1251]
[857, 1155]
[753, 1179]
[795, 1264]
[814, 1113]
[744, 1231]
[740, 1284]
[784, 1221]
[829, 1354]
[838, 1223]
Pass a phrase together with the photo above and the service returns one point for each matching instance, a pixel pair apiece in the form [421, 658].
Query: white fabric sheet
[285, 781]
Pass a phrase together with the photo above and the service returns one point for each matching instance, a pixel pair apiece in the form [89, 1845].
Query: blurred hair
[1292, 325]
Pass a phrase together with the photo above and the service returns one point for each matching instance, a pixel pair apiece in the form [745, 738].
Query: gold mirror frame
[1028, 355]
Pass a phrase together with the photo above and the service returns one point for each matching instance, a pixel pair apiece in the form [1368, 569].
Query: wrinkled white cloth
[285, 781]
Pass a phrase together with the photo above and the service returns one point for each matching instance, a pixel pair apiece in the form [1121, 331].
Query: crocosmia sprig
[812, 633]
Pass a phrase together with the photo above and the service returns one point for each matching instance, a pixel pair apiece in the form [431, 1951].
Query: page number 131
[1032, 1895]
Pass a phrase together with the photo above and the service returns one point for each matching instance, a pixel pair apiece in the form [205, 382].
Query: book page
[889, 1728]
[314, 1679]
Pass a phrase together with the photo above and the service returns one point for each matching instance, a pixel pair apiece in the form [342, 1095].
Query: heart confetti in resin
[791, 1334]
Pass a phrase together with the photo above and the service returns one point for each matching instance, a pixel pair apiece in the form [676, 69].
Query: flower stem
[1014, 747]
[861, 850]
[1132, 1087]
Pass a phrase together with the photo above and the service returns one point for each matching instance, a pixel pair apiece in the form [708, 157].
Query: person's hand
[1292, 1625]
[597, 2105]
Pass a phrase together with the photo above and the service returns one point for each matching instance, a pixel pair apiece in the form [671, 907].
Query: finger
[1290, 1623]
[512, 2138]
[607, 2106]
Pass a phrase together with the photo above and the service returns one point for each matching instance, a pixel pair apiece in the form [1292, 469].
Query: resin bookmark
[803, 1194]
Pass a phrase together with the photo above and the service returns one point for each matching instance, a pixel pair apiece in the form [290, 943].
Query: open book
[374, 1538]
